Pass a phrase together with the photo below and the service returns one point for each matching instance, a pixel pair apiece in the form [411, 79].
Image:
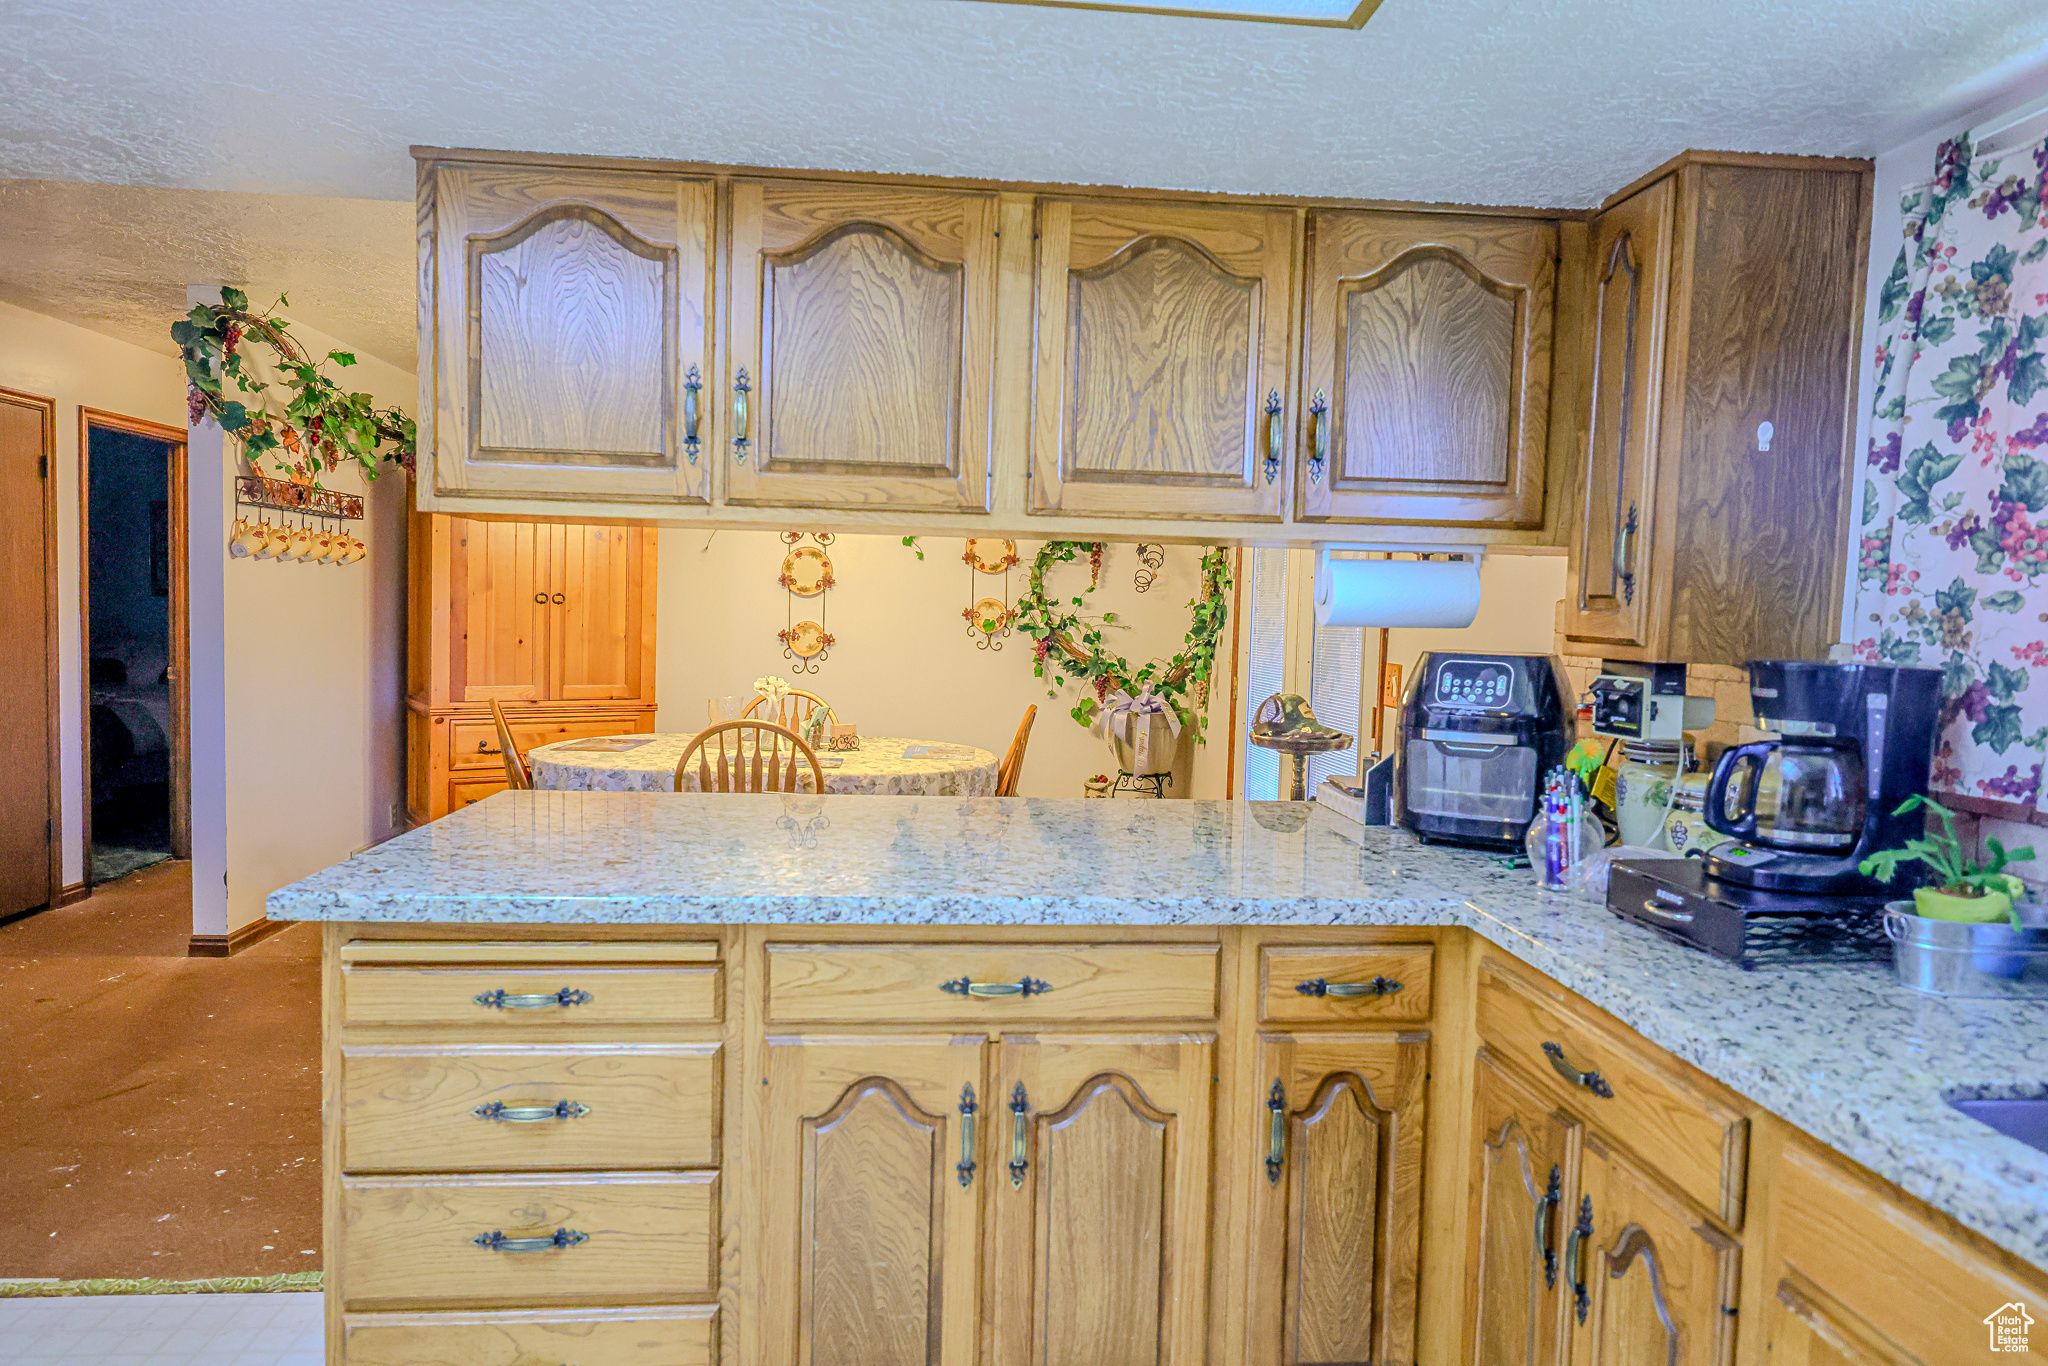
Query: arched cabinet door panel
[861, 346]
[871, 1213]
[565, 315]
[1524, 1179]
[1628, 279]
[1427, 369]
[1337, 1198]
[1100, 1192]
[1163, 339]
[1651, 1282]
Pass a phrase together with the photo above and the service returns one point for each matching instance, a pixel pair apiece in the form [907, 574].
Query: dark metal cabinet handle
[1589, 1079]
[693, 385]
[1319, 443]
[741, 387]
[1378, 986]
[558, 599]
[968, 1108]
[499, 1112]
[1575, 1257]
[502, 999]
[494, 1241]
[1274, 436]
[1020, 1107]
[1276, 1145]
[1552, 1197]
[963, 986]
[484, 747]
[540, 598]
[1625, 556]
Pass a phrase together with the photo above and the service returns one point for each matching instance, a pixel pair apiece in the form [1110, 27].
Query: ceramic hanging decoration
[989, 619]
[806, 573]
[325, 539]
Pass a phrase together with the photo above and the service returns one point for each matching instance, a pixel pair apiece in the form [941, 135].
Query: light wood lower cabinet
[686, 1336]
[1525, 1157]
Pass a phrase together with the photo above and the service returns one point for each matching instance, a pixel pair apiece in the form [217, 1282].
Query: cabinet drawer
[474, 744]
[1345, 983]
[1688, 1131]
[469, 791]
[921, 983]
[413, 1240]
[488, 1108]
[686, 1336]
[546, 998]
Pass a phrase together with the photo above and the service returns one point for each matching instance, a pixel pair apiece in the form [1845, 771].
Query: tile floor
[162, 1330]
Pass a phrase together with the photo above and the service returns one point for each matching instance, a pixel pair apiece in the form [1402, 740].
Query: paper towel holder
[1433, 554]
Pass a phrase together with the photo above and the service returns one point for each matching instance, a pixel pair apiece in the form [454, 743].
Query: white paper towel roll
[1396, 592]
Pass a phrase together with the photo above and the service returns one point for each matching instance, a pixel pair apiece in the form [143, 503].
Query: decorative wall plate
[989, 615]
[990, 556]
[806, 639]
[806, 571]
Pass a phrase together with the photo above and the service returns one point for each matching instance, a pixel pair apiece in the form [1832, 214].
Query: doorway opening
[131, 480]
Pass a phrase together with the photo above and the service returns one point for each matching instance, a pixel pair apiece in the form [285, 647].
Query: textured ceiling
[116, 259]
[1548, 102]
[1551, 102]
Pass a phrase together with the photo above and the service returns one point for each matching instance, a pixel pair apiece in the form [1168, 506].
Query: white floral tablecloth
[878, 768]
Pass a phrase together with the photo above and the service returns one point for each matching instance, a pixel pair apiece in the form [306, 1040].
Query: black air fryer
[1478, 732]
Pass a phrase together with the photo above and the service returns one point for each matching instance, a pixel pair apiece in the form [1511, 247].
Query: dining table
[882, 766]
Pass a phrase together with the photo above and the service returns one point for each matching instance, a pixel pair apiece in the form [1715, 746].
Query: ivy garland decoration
[321, 424]
[1070, 642]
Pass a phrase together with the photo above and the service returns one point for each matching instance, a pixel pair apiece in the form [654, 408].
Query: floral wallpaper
[1957, 468]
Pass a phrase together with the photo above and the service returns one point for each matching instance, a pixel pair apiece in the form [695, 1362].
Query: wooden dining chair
[758, 759]
[517, 775]
[792, 710]
[1013, 762]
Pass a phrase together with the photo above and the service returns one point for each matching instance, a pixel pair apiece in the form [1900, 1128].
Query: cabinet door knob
[540, 597]
[559, 599]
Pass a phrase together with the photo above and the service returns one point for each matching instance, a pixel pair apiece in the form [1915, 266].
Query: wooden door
[567, 324]
[1337, 1219]
[499, 582]
[871, 1199]
[860, 346]
[1164, 359]
[597, 606]
[1427, 369]
[1524, 1175]
[1652, 1283]
[1608, 594]
[30, 874]
[1100, 1167]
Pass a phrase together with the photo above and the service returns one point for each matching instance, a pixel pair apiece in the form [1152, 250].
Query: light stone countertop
[1840, 1050]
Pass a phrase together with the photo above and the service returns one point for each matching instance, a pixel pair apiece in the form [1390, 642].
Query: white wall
[80, 368]
[904, 664]
[304, 722]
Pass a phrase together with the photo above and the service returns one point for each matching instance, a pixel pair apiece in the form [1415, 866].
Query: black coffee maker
[1855, 740]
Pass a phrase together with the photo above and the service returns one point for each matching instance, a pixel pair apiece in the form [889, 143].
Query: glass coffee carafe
[1802, 794]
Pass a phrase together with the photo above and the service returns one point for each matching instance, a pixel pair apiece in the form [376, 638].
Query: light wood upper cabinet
[552, 611]
[1630, 280]
[605, 609]
[1525, 1158]
[1101, 1194]
[1427, 369]
[861, 346]
[870, 1213]
[1337, 1217]
[1163, 337]
[1650, 1280]
[564, 312]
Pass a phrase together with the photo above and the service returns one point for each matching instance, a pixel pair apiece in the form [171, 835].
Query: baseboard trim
[75, 893]
[234, 941]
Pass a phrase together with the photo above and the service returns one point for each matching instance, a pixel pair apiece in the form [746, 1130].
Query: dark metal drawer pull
[502, 999]
[962, 986]
[1589, 1079]
[494, 1241]
[1378, 986]
[502, 1113]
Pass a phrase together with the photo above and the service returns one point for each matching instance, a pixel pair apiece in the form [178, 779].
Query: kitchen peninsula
[623, 1078]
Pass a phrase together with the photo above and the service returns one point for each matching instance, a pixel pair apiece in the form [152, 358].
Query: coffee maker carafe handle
[1753, 757]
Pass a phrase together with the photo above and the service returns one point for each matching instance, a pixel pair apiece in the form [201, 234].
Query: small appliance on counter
[1478, 734]
[1801, 811]
[1633, 701]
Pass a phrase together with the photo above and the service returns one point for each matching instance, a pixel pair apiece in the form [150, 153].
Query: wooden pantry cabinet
[1713, 417]
[553, 620]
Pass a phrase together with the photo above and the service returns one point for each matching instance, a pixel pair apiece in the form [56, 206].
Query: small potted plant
[1963, 889]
